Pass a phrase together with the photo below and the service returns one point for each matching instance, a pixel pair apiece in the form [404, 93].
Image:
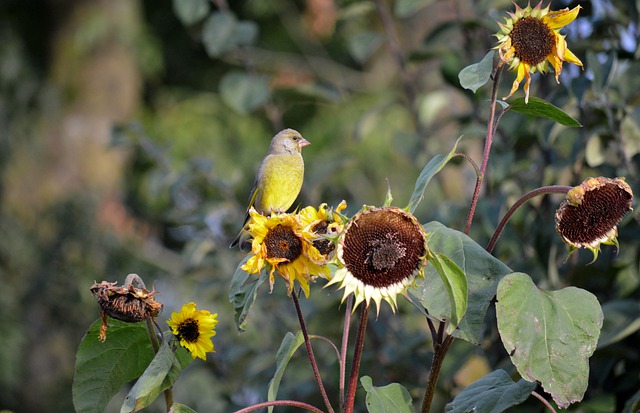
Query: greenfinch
[279, 178]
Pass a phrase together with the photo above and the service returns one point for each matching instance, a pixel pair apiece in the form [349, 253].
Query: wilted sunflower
[282, 242]
[530, 39]
[381, 252]
[194, 328]
[323, 221]
[589, 215]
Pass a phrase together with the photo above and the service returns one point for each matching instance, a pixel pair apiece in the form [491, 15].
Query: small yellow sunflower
[380, 252]
[531, 38]
[590, 213]
[194, 328]
[282, 242]
[323, 221]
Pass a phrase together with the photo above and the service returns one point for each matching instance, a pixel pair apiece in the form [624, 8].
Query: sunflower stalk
[312, 359]
[553, 189]
[357, 357]
[441, 344]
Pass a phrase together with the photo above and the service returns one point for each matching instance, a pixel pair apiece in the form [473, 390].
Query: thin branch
[357, 357]
[343, 349]
[293, 403]
[544, 401]
[312, 359]
[439, 352]
[491, 126]
[553, 189]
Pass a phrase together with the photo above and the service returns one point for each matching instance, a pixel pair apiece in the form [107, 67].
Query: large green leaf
[162, 372]
[482, 270]
[103, 368]
[476, 75]
[543, 109]
[390, 398]
[432, 167]
[289, 345]
[550, 335]
[181, 408]
[243, 291]
[494, 393]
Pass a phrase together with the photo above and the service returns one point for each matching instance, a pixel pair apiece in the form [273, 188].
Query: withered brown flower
[125, 303]
[589, 215]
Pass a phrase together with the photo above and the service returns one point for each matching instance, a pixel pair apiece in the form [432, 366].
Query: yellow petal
[571, 58]
[526, 84]
[560, 18]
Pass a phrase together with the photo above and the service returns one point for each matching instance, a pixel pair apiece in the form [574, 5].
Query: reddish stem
[357, 356]
[293, 403]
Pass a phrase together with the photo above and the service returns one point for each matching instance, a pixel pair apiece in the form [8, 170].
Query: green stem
[491, 127]
[553, 189]
[441, 345]
[357, 357]
[155, 344]
[312, 359]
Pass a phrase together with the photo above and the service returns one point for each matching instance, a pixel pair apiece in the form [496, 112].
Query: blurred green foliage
[130, 133]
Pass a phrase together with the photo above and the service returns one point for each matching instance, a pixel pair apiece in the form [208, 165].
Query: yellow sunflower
[323, 221]
[283, 243]
[531, 38]
[590, 213]
[380, 252]
[194, 328]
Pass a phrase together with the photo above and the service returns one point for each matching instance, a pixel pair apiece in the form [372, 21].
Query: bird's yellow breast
[280, 181]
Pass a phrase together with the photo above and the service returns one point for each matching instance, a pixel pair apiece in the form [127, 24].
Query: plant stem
[155, 344]
[441, 345]
[544, 401]
[553, 189]
[293, 403]
[487, 146]
[312, 359]
[357, 356]
[343, 349]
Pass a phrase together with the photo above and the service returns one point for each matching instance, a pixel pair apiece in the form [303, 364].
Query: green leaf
[494, 393]
[103, 368]
[289, 345]
[363, 44]
[218, 33]
[434, 166]
[190, 11]
[543, 109]
[621, 319]
[476, 75]
[455, 283]
[181, 408]
[162, 372]
[483, 272]
[390, 398]
[243, 291]
[550, 335]
[244, 92]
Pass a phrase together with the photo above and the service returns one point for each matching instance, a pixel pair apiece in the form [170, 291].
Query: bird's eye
[296, 138]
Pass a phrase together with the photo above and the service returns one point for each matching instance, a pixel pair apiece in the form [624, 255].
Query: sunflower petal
[560, 18]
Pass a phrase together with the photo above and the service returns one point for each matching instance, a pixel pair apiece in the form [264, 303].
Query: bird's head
[288, 141]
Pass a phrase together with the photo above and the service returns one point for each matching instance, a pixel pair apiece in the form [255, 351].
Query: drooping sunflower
[286, 246]
[381, 252]
[590, 213]
[530, 39]
[194, 328]
[323, 221]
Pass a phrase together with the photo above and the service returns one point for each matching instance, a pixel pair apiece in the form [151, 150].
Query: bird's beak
[303, 142]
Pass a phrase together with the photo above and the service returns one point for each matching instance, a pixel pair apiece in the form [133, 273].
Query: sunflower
[324, 222]
[283, 243]
[530, 39]
[590, 213]
[194, 328]
[380, 252]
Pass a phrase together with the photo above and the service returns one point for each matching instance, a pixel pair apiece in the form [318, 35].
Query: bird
[279, 178]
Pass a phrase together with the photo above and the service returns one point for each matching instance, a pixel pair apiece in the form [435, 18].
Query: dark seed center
[384, 253]
[532, 40]
[188, 330]
[282, 242]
